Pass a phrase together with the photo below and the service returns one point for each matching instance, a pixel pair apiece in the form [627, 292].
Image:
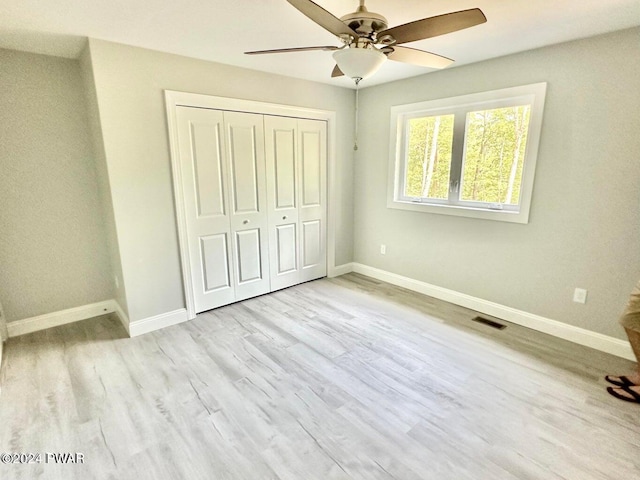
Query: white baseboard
[340, 270]
[574, 334]
[562, 330]
[63, 317]
[55, 319]
[157, 322]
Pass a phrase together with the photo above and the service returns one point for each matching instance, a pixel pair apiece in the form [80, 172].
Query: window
[472, 155]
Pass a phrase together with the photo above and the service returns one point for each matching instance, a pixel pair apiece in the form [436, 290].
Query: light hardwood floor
[344, 378]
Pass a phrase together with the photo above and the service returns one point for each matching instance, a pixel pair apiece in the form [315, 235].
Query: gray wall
[53, 253]
[129, 84]
[584, 228]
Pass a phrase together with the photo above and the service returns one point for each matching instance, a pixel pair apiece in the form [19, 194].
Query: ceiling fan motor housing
[365, 22]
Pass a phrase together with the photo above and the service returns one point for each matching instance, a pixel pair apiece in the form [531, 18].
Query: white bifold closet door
[256, 219]
[223, 179]
[296, 190]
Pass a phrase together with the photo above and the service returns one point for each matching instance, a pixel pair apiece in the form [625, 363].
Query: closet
[254, 190]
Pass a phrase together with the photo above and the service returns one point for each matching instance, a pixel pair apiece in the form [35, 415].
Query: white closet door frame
[174, 99]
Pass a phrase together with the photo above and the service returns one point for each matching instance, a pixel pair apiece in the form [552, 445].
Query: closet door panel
[207, 168]
[282, 200]
[285, 249]
[214, 250]
[203, 178]
[312, 148]
[249, 256]
[312, 244]
[244, 160]
[284, 164]
[311, 157]
[249, 216]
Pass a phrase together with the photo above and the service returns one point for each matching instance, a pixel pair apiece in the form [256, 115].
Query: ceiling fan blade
[434, 26]
[419, 57]
[336, 72]
[297, 49]
[323, 18]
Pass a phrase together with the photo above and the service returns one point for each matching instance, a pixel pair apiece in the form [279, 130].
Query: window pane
[495, 143]
[429, 156]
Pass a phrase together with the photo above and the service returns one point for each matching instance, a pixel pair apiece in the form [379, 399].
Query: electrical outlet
[383, 249]
[580, 295]
[116, 281]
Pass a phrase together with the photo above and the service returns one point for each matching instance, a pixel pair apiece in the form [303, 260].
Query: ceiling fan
[367, 41]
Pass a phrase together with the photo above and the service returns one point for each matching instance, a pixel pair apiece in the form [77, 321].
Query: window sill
[463, 211]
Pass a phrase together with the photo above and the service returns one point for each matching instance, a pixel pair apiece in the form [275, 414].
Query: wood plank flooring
[344, 378]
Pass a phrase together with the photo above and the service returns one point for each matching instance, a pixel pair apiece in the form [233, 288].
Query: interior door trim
[174, 99]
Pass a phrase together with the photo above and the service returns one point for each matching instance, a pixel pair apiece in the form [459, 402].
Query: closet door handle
[245, 222]
[284, 217]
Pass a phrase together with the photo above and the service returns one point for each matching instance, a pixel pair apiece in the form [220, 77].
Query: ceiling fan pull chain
[355, 143]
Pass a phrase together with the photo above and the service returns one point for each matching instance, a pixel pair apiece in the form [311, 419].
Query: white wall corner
[558, 329]
[124, 319]
[338, 270]
[146, 325]
[62, 317]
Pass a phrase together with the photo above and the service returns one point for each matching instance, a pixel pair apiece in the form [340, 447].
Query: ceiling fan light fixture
[359, 63]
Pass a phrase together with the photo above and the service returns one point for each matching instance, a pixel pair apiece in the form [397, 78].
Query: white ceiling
[221, 31]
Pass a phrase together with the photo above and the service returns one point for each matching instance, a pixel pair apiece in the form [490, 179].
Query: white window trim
[533, 94]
